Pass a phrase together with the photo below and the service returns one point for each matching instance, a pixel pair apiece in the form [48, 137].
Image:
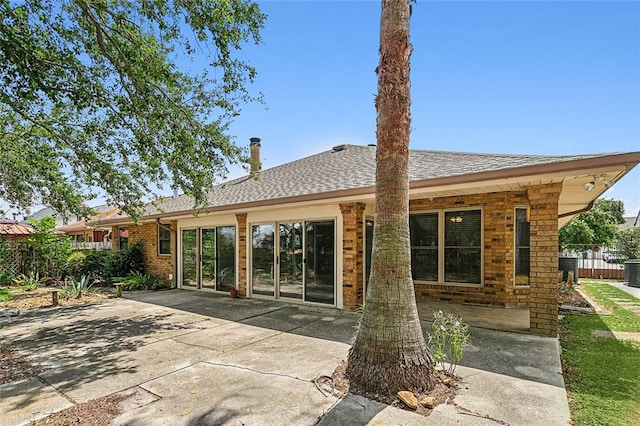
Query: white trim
[515, 247]
[441, 245]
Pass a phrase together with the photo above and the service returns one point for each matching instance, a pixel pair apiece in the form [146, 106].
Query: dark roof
[350, 167]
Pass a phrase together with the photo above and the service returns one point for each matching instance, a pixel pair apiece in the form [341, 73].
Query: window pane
[262, 279]
[164, 240]
[463, 239]
[189, 257]
[123, 238]
[462, 265]
[423, 230]
[522, 261]
[226, 244]
[462, 228]
[424, 264]
[320, 262]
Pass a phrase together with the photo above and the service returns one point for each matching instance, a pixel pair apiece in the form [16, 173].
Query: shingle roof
[351, 167]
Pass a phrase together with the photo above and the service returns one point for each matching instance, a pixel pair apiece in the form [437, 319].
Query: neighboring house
[12, 230]
[62, 219]
[90, 234]
[484, 228]
[629, 222]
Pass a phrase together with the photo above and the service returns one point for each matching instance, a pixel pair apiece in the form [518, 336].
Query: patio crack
[58, 391]
[264, 373]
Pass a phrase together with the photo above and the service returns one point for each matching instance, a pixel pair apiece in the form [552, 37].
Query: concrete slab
[513, 401]
[106, 372]
[288, 354]
[223, 395]
[218, 360]
[495, 318]
[28, 400]
[227, 337]
[357, 410]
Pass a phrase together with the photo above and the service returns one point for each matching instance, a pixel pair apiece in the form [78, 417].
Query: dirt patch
[16, 365]
[569, 296]
[41, 298]
[99, 411]
[443, 392]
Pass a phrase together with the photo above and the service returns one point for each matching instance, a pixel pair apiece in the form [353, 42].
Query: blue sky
[502, 77]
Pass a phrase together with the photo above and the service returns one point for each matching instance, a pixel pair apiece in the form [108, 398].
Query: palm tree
[390, 353]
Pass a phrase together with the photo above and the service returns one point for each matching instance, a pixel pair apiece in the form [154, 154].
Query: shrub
[75, 264]
[6, 278]
[138, 281]
[29, 282]
[76, 288]
[450, 336]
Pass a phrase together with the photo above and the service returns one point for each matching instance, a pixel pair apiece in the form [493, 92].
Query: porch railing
[96, 245]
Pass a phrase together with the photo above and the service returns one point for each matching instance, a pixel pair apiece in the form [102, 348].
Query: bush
[103, 265]
[138, 281]
[6, 278]
[75, 264]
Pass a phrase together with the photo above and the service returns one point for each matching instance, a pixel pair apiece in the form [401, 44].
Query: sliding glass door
[209, 258]
[303, 265]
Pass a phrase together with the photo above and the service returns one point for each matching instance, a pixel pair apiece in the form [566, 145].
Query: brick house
[484, 228]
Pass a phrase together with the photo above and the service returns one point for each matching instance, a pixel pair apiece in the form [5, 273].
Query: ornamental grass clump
[76, 288]
[449, 338]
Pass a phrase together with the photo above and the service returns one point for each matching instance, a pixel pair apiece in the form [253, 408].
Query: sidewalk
[208, 359]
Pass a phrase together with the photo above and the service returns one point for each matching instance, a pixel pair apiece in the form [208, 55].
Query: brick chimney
[256, 165]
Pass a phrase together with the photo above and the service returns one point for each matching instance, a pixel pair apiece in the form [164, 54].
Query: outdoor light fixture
[589, 186]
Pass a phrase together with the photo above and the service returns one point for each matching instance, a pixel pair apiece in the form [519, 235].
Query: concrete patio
[201, 358]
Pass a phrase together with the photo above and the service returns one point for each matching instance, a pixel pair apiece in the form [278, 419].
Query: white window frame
[441, 245]
[515, 246]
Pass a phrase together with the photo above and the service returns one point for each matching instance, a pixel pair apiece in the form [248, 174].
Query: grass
[602, 374]
[5, 295]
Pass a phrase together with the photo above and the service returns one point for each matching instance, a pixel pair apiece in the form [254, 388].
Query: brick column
[543, 296]
[352, 254]
[242, 253]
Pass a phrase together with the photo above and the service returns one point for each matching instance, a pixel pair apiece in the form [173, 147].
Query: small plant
[140, 281]
[6, 278]
[29, 282]
[76, 288]
[5, 295]
[450, 336]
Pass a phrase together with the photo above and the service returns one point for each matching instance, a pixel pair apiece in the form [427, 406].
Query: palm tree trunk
[389, 353]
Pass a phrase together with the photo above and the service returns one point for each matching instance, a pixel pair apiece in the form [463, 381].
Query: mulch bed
[443, 392]
[97, 412]
[16, 366]
[570, 297]
[41, 298]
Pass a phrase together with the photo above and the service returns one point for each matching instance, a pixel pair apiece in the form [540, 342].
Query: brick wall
[543, 301]
[352, 254]
[242, 253]
[498, 287]
[160, 265]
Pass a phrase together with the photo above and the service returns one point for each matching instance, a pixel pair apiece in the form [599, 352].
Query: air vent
[339, 148]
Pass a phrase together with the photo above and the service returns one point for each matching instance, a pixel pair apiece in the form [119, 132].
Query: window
[123, 238]
[446, 246]
[164, 239]
[424, 246]
[522, 249]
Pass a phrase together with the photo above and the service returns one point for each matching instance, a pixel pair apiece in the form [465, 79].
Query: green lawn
[602, 374]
